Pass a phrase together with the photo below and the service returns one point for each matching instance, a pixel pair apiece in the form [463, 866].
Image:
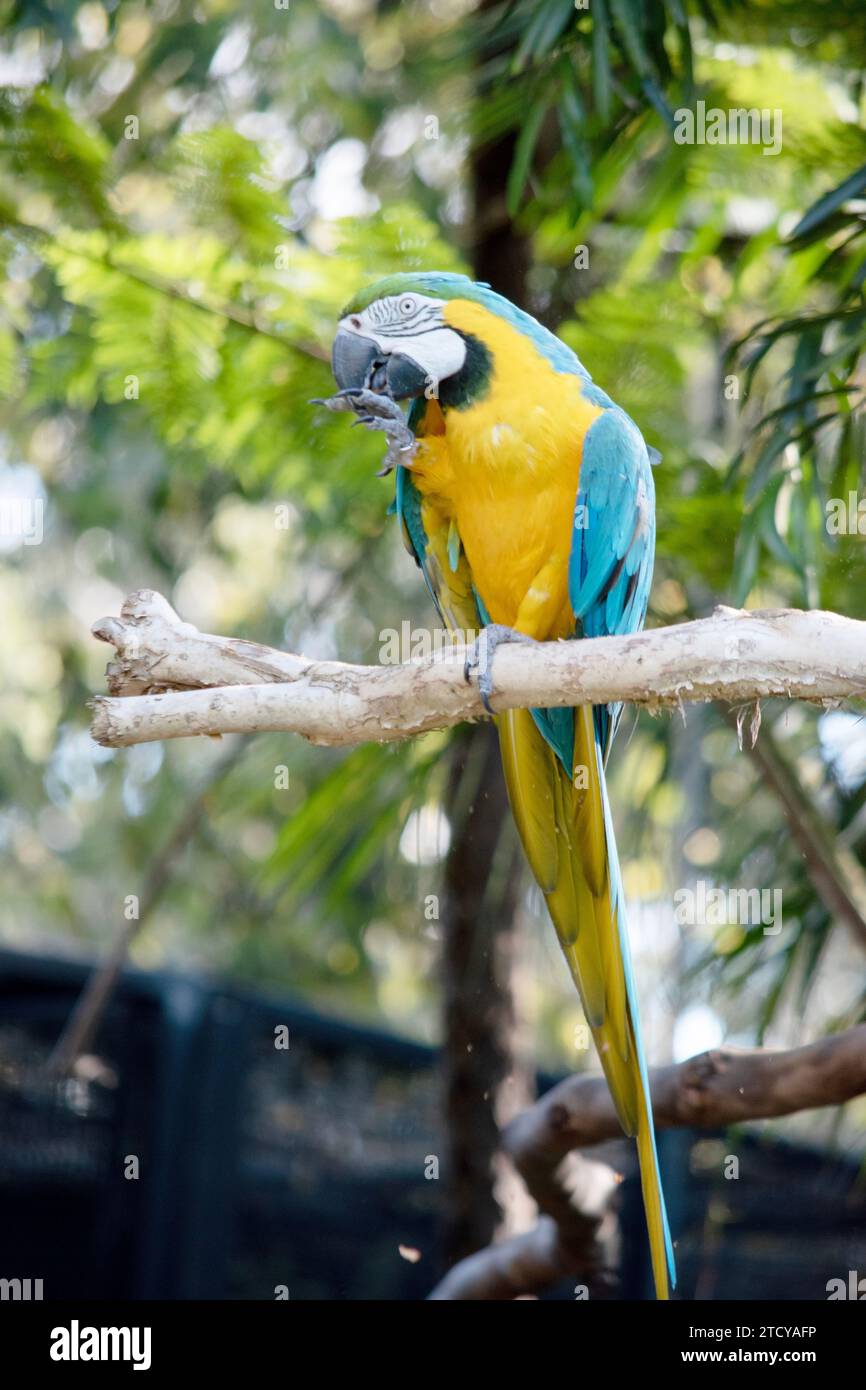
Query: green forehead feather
[437, 283]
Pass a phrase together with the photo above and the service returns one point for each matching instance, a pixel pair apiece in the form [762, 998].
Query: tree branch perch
[575, 1195]
[169, 680]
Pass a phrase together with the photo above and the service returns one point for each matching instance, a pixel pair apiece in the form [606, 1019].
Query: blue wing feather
[610, 575]
[610, 571]
[613, 542]
[610, 568]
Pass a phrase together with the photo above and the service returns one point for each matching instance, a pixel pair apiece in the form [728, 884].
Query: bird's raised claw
[482, 652]
[377, 412]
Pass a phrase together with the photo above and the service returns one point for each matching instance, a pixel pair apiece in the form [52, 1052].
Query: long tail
[567, 832]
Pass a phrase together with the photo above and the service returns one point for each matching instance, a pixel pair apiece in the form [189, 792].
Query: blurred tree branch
[172, 289]
[576, 1234]
[177, 681]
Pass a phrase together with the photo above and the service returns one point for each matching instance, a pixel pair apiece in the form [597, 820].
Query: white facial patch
[414, 325]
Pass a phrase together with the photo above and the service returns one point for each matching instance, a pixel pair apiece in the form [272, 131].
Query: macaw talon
[377, 412]
[338, 402]
[481, 655]
[350, 398]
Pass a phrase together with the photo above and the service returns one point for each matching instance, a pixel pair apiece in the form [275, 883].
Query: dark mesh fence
[259, 1166]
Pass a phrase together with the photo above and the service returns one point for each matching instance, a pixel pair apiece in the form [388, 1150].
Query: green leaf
[825, 207]
[775, 543]
[601, 76]
[657, 99]
[581, 173]
[518, 174]
[628, 27]
[542, 31]
[572, 99]
[746, 556]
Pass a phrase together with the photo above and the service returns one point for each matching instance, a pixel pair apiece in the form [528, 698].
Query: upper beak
[352, 360]
[358, 363]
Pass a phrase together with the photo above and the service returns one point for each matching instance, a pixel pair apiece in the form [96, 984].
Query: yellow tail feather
[561, 822]
[652, 1202]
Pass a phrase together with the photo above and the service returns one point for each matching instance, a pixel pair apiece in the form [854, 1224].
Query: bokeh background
[188, 194]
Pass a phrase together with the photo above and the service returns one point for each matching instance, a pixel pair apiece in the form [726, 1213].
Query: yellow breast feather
[506, 469]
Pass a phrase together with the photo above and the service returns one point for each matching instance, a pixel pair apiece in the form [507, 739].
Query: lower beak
[357, 363]
[405, 379]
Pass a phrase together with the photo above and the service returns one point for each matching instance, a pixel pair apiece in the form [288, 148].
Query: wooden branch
[176, 681]
[723, 1087]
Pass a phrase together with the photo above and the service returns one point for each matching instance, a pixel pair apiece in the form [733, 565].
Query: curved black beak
[352, 360]
[357, 363]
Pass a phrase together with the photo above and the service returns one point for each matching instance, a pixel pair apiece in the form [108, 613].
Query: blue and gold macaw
[528, 502]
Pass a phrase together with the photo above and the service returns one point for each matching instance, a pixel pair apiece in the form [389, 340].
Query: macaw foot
[481, 656]
[377, 412]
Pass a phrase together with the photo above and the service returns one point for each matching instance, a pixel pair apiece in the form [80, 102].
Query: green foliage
[593, 69]
[811, 431]
[46, 148]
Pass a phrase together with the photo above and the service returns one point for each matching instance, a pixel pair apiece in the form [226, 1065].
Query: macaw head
[435, 334]
[394, 337]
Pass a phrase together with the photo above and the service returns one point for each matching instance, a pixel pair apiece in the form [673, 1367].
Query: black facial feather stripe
[385, 313]
[406, 330]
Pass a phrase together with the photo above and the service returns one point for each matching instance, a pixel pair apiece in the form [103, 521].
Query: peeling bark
[176, 681]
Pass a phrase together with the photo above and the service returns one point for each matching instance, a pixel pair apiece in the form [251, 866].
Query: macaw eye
[407, 306]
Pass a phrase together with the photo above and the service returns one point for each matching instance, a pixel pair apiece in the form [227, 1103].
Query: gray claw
[341, 402]
[481, 656]
[377, 412]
